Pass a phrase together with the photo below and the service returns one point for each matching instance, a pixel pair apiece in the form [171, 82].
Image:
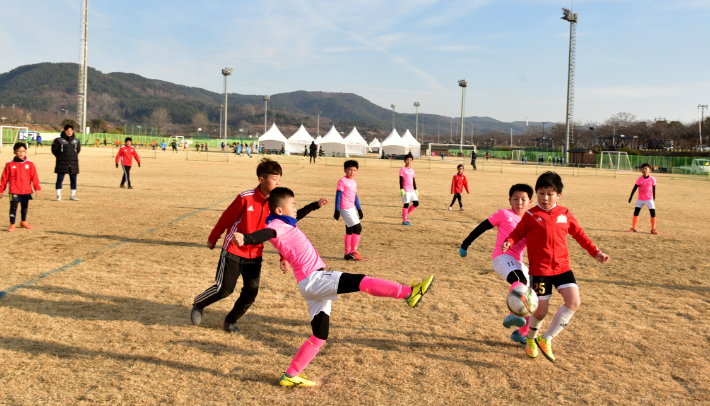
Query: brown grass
[115, 328]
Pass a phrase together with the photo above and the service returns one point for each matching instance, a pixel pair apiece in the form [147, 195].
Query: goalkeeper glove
[336, 215]
[116, 166]
[401, 192]
[359, 214]
[462, 252]
[139, 164]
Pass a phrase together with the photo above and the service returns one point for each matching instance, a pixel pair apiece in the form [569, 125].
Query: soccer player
[20, 176]
[245, 215]
[348, 205]
[545, 229]
[646, 185]
[509, 265]
[318, 286]
[458, 183]
[126, 154]
[408, 189]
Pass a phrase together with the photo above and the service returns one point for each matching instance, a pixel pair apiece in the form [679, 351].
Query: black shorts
[542, 285]
[21, 198]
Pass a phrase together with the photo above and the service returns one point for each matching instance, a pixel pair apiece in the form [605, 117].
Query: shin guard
[305, 355]
[384, 288]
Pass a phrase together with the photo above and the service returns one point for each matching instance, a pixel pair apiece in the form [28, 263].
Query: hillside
[50, 87]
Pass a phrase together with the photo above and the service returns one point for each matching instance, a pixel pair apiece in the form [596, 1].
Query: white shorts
[350, 216]
[648, 203]
[319, 289]
[410, 197]
[505, 264]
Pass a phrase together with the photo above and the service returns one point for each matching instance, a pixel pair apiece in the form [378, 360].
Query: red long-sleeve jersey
[125, 156]
[458, 183]
[20, 177]
[545, 232]
[245, 215]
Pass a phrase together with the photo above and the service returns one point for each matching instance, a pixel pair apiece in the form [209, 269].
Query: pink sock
[384, 288]
[411, 209]
[305, 355]
[348, 243]
[405, 213]
[524, 329]
[515, 285]
[355, 240]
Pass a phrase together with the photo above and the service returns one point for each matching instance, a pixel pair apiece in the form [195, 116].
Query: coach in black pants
[66, 149]
[313, 149]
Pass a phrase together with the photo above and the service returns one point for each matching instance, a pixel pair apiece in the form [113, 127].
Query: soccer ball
[522, 301]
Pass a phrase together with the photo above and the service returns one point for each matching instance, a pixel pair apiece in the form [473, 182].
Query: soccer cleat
[513, 320]
[462, 209]
[356, 256]
[349, 257]
[58, 198]
[26, 225]
[12, 228]
[631, 230]
[130, 187]
[654, 231]
[518, 338]
[76, 199]
[230, 327]
[300, 380]
[418, 291]
[530, 347]
[407, 223]
[123, 186]
[450, 208]
[196, 315]
[545, 347]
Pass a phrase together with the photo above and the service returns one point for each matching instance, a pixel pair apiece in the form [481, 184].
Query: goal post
[9, 134]
[615, 160]
[517, 155]
[434, 150]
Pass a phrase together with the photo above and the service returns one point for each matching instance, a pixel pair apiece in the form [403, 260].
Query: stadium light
[416, 121]
[568, 15]
[463, 85]
[226, 72]
[392, 117]
[266, 106]
[83, 65]
[318, 124]
[701, 110]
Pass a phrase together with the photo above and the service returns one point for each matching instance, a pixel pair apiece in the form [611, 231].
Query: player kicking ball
[545, 228]
[646, 185]
[348, 205]
[408, 189]
[318, 286]
[509, 265]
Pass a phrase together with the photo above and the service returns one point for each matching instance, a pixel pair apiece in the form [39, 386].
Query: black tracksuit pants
[126, 175]
[228, 270]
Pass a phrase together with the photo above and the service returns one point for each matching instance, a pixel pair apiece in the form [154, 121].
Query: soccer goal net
[615, 160]
[10, 134]
[434, 151]
[517, 154]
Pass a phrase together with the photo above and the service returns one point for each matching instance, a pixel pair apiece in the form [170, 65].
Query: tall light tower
[392, 117]
[416, 122]
[226, 72]
[701, 110]
[463, 85]
[568, 15]
[266, 106]
[83, 66]
[318, 125]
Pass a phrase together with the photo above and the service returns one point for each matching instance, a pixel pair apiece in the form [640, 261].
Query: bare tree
[200, 120]
[104, 107]
[160, 120]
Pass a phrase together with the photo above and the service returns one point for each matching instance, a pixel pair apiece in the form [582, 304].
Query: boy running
[646, 185]
[545, 228]
[408, 189]
[126, 155]
[246, 214]
[346, 204]
[458, 183]
[509, 265]
[20, 175]
[318, 286]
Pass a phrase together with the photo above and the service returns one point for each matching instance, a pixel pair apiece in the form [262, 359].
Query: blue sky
[649, 58]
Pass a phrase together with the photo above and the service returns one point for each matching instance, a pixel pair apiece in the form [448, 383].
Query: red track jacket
[125, 156]
[21, 176]
[546, 234]
[458, 183]
[245, 215]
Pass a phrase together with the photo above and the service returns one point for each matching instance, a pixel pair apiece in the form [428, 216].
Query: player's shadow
[697, 289]
[132, 240]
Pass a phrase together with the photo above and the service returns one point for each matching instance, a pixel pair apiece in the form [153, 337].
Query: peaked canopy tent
[355, 144]
[393, 145]
[375, 145]
[412, 144]
[299, 141]
[273, 139]
[333, 143]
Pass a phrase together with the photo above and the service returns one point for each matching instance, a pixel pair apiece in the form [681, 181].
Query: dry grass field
[112, 325]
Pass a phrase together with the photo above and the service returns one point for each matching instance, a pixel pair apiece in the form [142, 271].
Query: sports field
[112, 325]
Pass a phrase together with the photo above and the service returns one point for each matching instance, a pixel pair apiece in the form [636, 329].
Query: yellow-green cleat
[545, 347]
[531, 347]
[418, 291]
[299, 380]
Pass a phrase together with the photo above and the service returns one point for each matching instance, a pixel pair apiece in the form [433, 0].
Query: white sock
[73, 192]
[559, 322]
[535, 325]
[59, 192]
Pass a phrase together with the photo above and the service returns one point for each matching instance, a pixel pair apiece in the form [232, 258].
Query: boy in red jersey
[125, 155]
[646, 185]
[545, 229]
[20, 175]
[458, 183]
[245, 215]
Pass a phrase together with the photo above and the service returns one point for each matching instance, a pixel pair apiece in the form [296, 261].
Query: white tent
[375, 145]
[355, 144]
[333, 143]
[273, 139]
[299, 141]
[392, 145]
[412, 144]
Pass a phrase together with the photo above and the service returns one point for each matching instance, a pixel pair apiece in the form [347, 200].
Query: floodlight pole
[392, 117]
[701, 110]
[226, 72]
[83, 65]
[318, 124]
[416, 122]
[221, 117]
[266, 106]
[463, 85]
[572, 18]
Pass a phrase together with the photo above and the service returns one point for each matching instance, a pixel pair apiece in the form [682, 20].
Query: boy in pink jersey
[408, 189]
[509, 265]
[348, 205]
[646, 185]
[318, 286]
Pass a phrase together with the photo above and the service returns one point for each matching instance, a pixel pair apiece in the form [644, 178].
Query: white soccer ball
[522, 301]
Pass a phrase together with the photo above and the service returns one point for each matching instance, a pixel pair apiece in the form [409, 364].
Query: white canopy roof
[333, 142]
[319, 139]
[392, 139]
[409, 140]
[299, 140]
[375, 143]
[355, 144]
[393, 145]
[273, 139]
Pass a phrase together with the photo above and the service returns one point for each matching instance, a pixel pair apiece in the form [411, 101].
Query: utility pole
[701, 110]
[451, 134]
[83, 65]
[463, 85]
[572, 18]
[416, 122]
[318, 124]
[226, 72]
[266, 106]
[438, 131]
[392, 117]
